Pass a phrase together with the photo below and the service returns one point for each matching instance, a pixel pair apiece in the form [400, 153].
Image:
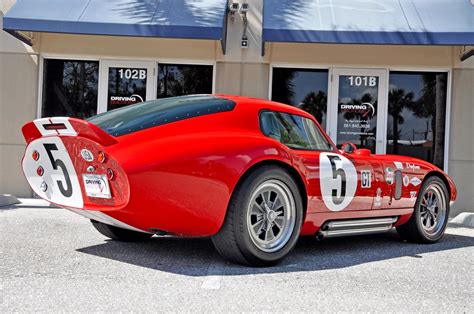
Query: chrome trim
[341, 228]
[351, 232]
[357, 223]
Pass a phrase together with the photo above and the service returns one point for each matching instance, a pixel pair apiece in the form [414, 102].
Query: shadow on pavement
[197, 257]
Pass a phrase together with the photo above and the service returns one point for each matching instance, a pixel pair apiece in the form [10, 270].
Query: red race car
[252, 174]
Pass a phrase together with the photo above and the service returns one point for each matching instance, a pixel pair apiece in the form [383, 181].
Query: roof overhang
[385, 22]
[190, 19]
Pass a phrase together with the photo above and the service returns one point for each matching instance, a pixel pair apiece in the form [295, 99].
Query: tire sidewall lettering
[338, 180]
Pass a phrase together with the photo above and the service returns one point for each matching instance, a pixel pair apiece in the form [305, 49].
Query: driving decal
[338, 180]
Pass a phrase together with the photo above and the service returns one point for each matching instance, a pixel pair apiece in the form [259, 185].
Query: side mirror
[348, 147]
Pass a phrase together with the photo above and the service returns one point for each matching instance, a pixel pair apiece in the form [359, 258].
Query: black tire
[120, 234]
[235, 242]
[414, 229]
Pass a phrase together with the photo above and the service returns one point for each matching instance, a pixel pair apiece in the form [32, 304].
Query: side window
[294, 131]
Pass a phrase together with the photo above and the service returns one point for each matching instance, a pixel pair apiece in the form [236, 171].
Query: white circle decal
[338, 180]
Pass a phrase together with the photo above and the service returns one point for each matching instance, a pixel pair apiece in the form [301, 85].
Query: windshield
[152, 113]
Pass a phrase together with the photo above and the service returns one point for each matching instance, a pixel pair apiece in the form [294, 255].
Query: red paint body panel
[179, 177]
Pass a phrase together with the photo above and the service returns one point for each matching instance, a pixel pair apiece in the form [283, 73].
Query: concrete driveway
[54, 260]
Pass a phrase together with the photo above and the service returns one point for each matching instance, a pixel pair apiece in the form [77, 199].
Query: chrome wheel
[433, 207]
[271, 215]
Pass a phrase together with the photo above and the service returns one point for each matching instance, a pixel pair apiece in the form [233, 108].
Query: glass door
[357, 109]
[124, 83]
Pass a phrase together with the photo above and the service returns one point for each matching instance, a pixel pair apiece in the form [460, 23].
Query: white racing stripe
[104, 218]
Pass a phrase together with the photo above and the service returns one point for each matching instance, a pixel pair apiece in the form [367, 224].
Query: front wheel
[119, 234]
[430, 216]
[263, 219]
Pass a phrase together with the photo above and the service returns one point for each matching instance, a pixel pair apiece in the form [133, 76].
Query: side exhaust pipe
[342, 228]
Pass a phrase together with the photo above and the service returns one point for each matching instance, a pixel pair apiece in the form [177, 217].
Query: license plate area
[96, 185]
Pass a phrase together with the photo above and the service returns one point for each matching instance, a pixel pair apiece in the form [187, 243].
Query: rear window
[294, 131]
[152, 113]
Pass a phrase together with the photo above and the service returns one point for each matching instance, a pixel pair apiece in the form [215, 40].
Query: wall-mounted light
[233, 8]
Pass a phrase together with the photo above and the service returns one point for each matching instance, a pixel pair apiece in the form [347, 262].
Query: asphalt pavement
[53, 260]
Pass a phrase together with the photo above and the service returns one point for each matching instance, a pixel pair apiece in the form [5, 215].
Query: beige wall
[18, 99]
[461, 153]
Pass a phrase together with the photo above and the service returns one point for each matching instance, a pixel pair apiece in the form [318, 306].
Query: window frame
[42, 58]
[388, 68]
[318, 127]
[101, 59]
[170, 62]
[447, 121]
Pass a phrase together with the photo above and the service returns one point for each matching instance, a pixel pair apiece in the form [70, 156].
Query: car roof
[261, 104]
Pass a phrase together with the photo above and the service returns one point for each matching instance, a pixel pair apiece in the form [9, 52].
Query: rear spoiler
[64, 126]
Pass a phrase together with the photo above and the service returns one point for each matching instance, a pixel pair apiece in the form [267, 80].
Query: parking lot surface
[54, 260]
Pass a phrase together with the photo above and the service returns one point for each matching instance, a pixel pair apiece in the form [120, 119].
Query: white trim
[270, 83]
[214, 72]
[382, 103]
[39, 100]
[447, 123]
[328, 100]
[104, 218]
[151, 81]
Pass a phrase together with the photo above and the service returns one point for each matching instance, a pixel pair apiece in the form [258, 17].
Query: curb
[8, 200]
[463, 220]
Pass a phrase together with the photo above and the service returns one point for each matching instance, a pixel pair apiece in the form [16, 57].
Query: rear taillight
[35, 155]
[55, 126]
[101, 157]
[110, 174]
[39, 171]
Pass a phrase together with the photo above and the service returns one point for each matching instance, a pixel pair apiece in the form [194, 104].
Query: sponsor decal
[389, 175]
[125, 100]
[365, 179]
[415, 181]
[378, 198]
[87, 155]
[366, 110]
[96, 185]
[338, 180]
[413, 195]
[412, 166]
[406, 180]
[398, 165]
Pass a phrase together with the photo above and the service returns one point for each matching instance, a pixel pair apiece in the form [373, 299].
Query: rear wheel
[430, 217]
[263, 220]
[120, 234]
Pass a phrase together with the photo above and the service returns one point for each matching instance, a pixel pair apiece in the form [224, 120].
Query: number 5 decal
[67, 192]
[338, 173]
[338, 180]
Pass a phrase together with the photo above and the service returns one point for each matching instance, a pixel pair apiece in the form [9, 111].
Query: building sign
[127, 86]
[357, 110]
